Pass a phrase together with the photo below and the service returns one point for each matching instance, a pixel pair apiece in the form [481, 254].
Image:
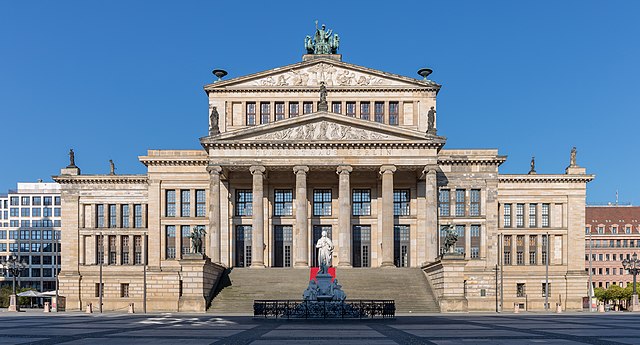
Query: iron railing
[301, 309]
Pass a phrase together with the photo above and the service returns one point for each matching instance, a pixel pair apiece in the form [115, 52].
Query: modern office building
[612, 235]
[30, 229]
[324, 145]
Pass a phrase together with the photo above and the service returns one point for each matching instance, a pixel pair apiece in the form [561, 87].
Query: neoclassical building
[323, 145]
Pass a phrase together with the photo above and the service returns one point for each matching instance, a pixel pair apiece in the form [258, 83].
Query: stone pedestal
[446, 277]
[13, 303]
[199, 278]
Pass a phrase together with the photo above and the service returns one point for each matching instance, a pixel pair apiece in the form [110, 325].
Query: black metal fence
[300, 309]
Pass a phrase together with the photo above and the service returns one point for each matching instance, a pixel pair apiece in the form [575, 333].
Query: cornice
[541, 178]
[101, 179]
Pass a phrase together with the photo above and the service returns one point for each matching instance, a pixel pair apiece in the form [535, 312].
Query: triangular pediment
[324, 127]
[332, 73]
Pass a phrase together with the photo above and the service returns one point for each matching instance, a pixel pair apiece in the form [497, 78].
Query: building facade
[612, 235]
[30, 223]
[323, 145]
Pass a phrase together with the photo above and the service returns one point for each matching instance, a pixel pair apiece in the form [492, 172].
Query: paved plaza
[77, 328]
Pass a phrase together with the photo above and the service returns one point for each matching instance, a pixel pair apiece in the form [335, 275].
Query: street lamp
[633, 267]
[15, 268]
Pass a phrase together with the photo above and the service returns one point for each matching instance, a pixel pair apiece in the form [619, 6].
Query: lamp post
[15, 268]
[633, 267]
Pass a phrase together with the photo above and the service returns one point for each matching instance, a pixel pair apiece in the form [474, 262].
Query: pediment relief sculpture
[323, 130]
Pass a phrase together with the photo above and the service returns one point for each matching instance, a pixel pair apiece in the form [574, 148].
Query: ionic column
[214, 211]
[431, 219]
[344, 216]
[301, 241]
[387, 215]
[257, 219]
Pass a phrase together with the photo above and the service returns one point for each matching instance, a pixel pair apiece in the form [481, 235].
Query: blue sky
[112, 79]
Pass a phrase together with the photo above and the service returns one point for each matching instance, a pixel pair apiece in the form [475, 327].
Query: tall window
[533, 249]
[361, 201]
[283, 205]
[171, 241]
[506, 246]
[307, 107]
[244, 202]
[336, 107]
[112, 215]
[379, 111]
[443, 201]
[533, 208]
[460, 202]
[474, 232]
[294, 109]
[265, 112]
[100, 216]
[251, 113]
[170, 203]
[507, 215]
[185, 203]
[279, 108]
[365, 110]
[185, 231]
[201, 203]
[394, 114]
[545, 215]
[322, 202]
[137, 214]
[124, 211]
[351, 109]
[401, 202]
[474, 206]
[520, 215]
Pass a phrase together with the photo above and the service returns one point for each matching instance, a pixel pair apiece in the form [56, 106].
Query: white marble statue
[325, 250]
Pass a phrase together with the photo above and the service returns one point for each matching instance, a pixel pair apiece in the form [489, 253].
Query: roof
[612, 214]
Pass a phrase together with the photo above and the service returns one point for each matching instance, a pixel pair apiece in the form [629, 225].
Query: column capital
[257, 170]
[300, 169]
[214, 169]
[387, 169]
[344, 169]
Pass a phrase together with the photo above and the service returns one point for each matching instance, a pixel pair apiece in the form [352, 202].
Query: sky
[112, 79]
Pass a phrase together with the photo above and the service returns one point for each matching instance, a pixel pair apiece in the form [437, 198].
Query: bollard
[600, 308]
[131, 308]
[47, 307]
[516, 308]
[558, 308]
[89, 309]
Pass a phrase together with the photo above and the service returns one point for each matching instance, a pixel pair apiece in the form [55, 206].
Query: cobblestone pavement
[76, 328]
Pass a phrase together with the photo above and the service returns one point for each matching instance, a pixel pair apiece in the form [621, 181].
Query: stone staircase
[407, 286]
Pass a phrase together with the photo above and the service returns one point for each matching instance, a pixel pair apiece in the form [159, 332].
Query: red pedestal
[313, 272]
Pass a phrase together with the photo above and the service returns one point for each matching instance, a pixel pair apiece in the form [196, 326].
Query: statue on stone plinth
[112, 167]
[431, 121]
[196, 236]
[572, 160]
[214, 118]
[72, 159]
[325, 251]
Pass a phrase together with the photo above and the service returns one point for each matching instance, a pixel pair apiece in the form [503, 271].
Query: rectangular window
[25, 201]
[265, 112]
[506, 246]
[170, 203]
[520, 215]
[546, 289]
[322, 202]
[185, 203]
[112, 215]
[251, 113]
[401, 202]
[244, 202]
[185, 232]
[520, 290]
[336, 107]
[279, 109]
[361, 201]
[100, 216]
[307, 107]
[545, 215]
[137, 214]
[394, 114]
[37, 201]
[283, 203]
[171, 241]
[443, 202]
[47, 201]
[474, 206]
[533, 248]
[124, 211]
[379, 112]
[460, 202]
[124, 290]
[201, 203]
[351, 109]
[294, 109]
[533, 217]
[365, 110]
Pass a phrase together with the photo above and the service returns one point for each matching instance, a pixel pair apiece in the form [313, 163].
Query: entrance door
[361, 245]
[283, 242]
[317, 233]
[243, 246]
[401, 245]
